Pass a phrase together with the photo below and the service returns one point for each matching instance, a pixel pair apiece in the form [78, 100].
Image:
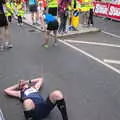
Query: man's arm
[12, 91]
[38, 82]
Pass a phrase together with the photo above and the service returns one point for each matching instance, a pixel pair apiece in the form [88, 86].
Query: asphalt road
[91, 89]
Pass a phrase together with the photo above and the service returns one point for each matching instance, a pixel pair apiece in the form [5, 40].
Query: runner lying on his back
[35, 107]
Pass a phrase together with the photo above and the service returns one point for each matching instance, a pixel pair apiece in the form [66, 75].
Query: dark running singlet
[42, 108]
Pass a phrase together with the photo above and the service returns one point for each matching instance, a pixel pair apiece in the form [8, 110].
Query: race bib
[29, 91]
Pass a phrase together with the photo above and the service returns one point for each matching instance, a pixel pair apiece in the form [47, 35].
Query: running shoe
[56, 43]
[1, 48]
[33, 23]
[45, 45]
[8, 45]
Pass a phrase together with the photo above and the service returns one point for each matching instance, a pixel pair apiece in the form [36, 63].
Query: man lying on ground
[35, 107]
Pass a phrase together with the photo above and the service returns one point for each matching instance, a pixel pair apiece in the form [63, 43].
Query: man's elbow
[6, 91]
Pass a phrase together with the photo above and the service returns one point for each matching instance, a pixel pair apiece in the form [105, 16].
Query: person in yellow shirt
[84, 12]
[52, 7]
[5, 41]
[20, 11]
[90, 18]
[9, 11]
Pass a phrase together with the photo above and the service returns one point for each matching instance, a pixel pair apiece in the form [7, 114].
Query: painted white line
[112, 61]
[1, 115]
[93, 43]
[89, 55]
[111, 34]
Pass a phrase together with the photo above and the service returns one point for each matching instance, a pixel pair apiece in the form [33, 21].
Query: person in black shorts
[52, 25]
[34, 11]
[35, 106]
[4, 29]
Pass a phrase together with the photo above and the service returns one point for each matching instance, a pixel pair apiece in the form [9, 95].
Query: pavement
[77, 66]
[80, 30]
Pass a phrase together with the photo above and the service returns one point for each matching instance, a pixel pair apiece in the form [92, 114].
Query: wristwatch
[29, 81]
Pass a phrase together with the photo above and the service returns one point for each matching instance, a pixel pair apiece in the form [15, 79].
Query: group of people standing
[51, 11]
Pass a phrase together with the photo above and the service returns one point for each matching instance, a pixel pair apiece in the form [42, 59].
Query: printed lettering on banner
[114, 11]
[102, 9]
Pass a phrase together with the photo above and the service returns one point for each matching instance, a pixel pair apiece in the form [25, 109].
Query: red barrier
[107, 10]
[114, 11]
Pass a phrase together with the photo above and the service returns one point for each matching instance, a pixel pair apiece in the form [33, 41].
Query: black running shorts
[53, 25]
[33, 8]
[53, 11]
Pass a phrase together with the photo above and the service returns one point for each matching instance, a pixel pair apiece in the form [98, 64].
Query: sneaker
[56, 43]
[21, 24]
[18, 24]
[1, 48]
[8, 45]
[24, 18]
[33, 23]
[45, 45]
[37, 24]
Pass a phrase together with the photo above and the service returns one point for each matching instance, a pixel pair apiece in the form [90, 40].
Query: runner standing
[4, 29]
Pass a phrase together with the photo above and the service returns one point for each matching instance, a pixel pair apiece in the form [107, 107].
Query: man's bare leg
[55, 37]
[47, 34]
[8, 43]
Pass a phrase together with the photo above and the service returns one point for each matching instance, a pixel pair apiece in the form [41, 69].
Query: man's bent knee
[56, 95]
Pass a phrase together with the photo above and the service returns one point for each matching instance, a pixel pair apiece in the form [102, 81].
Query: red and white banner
[107, 10]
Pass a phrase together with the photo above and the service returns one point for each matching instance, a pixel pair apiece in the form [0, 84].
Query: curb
[82, 31]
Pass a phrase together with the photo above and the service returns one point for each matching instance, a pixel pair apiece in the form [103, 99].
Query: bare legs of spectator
[34, 15]
[84, 18]
[5, 38]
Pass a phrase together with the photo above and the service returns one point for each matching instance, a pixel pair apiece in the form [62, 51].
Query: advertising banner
[108, 10]
[114, 11]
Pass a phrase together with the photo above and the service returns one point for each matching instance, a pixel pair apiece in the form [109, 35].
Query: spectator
[90, 19]
[52, 7]
[4, 29]
[33, 10]
[20, 11]
[9, 11]
[63, 14]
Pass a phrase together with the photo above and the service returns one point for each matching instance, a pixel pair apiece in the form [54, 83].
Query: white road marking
[1, 115]
[111, 34]
[94, 43]
[112, 61]
[91, 56]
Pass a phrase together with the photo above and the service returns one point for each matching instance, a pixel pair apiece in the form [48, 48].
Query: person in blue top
[34, 105]
[34, 11]
[52, 25]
